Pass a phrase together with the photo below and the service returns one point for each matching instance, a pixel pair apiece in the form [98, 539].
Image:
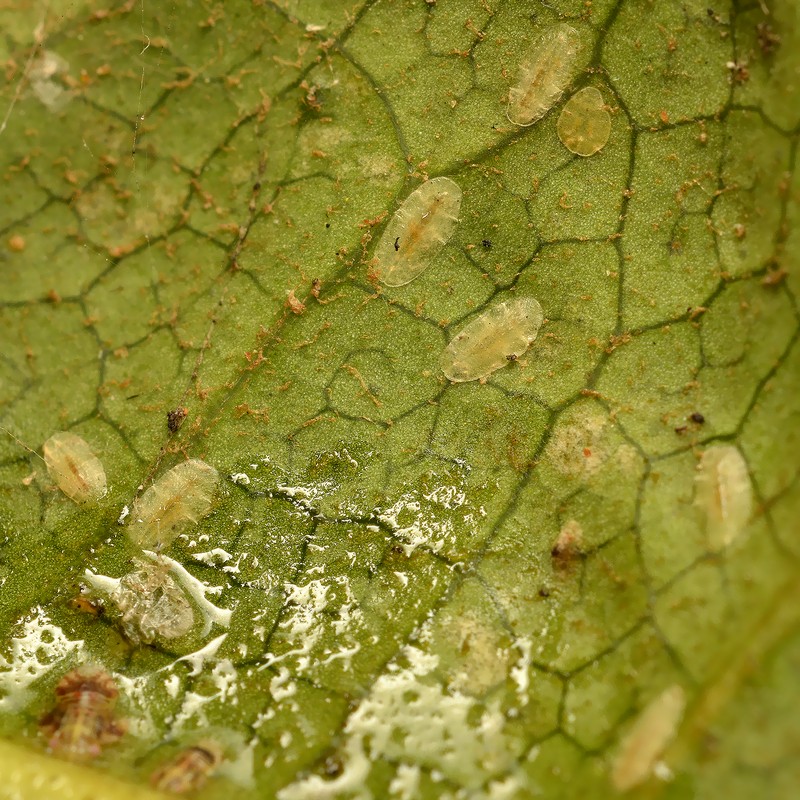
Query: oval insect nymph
[83, 719]
[496, 338]
[188, 770]
[653, 730]
[74, 467]
[544, 75]
[422, 225]
[181, 496]
[584, 125]
[724, 494]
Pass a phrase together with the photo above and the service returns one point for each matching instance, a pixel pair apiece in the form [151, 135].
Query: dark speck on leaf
[698, 418]
[397, 244]
[511, 357]
[487, 244]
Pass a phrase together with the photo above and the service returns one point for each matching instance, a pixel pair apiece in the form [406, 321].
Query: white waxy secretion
[181, 496]
[497, 337]
[544, 75]
[724, 494]
[74, 467]
[152, 604]
[422, 225]
[584, 124]
[647, 740]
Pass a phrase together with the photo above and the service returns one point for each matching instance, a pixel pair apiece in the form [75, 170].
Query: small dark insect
[397, 244]
[85, 604]
[487, 243]
[544, 592]
[511, 357]
[697, 417]
[327, 224]
[176, 417]
[257, 186]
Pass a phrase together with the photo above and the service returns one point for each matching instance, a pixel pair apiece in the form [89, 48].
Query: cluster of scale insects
[427, 219]
[149, 604]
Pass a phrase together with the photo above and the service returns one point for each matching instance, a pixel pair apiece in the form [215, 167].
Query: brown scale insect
[83, 722]
[188, 770]
[175, 418]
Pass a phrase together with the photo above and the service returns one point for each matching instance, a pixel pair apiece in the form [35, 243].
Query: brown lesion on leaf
[696, 312]
[244, 410]
[371, 222]
[474, 30]
[775, 277]
[310, 98]
[217, 13]
[360, 378]
[617, 340]
[738, 72]
[254, 358]
[768, 40]
[185, 78]
[516, 452]
[306, 342]
[294, 303]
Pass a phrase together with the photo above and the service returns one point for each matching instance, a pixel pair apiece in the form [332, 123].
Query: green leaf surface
[435, 590]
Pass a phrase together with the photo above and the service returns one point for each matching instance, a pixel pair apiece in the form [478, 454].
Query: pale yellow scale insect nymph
[77, 471]
[419, 229]
[180, 497]
[584, 124]
[544, 75]
[497, 337]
